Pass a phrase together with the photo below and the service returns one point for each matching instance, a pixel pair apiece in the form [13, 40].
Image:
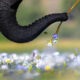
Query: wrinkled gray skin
[14, 32]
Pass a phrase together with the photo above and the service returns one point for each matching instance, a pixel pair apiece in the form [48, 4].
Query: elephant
[10, 28]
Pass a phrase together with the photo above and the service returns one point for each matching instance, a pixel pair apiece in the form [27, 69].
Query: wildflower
[4, 67]
[20, 67]
[4, 55]
[38, 57]
[9, 61]
[47, 68]
[56, 54]
[55, 36]
[50, 43]
[55, 41]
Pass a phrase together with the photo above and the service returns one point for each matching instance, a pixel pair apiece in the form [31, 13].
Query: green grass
[60, 74]
[40, 44]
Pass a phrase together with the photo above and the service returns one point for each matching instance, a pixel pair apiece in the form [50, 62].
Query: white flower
[56, 54]
[49, 44]
[4, 67]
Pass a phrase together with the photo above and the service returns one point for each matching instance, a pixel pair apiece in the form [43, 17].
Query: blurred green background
[31, 10]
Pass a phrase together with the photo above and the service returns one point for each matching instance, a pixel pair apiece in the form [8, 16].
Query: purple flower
[20, 67]
[55, 36]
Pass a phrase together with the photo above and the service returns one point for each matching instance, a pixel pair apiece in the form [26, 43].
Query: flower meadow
[37, 63]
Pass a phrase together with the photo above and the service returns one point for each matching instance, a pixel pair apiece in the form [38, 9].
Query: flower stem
[76, 3]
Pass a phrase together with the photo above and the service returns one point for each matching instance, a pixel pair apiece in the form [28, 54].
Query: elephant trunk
[14, 32]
